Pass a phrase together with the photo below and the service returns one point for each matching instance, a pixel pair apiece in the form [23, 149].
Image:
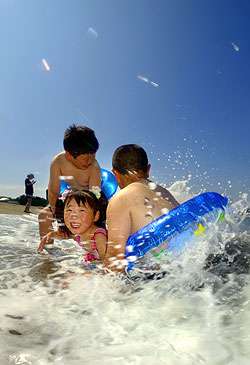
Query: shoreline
[10, 208]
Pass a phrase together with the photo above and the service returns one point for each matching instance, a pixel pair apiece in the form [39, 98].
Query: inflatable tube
[108, 186]
[177, 220]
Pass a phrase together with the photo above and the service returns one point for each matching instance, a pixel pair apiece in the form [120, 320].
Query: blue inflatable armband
[167, 225]
[108, 186]
[64, 186]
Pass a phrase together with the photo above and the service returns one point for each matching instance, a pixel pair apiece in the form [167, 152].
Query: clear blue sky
[196, 122]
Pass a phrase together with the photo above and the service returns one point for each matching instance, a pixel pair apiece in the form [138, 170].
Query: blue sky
[193, 120]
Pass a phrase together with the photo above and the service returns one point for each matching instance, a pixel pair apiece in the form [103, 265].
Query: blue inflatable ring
[108, 186]
[167, 225]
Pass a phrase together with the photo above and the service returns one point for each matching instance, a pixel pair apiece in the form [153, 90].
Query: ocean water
[199, 313]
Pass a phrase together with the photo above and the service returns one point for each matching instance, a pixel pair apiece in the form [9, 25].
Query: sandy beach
[8, 208]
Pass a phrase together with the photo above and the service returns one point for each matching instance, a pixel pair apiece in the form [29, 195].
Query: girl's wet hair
[85, 197]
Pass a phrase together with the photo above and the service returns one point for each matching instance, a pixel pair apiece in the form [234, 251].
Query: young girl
[82, 216]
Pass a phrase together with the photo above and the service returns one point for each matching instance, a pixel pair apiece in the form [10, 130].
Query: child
[76, 165]
[139, 202]
[82, 216]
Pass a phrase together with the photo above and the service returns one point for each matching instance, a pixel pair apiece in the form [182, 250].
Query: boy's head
[80, 140]
[130, 159]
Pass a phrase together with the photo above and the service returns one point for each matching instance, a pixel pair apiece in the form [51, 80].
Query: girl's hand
[50, 236]
[45, 241]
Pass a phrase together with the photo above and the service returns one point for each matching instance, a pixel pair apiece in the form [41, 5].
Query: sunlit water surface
[199, 313]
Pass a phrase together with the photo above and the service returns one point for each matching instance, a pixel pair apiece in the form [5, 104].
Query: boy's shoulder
[59, 158]
[95, 165]
[136, 187]
[126, 194]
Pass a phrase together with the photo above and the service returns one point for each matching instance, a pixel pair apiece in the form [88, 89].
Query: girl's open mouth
[75, 225]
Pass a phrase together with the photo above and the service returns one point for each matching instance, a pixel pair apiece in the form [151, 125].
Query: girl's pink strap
[78, 240]
[99, 230]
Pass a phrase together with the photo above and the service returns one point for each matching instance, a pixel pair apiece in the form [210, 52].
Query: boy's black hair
[130, 158]
[80, 140]
[86, 197]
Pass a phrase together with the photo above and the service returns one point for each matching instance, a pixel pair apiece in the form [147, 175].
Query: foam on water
[191, 316]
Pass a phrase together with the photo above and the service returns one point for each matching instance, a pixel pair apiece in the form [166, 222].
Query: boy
[76, 165]
[139, 202]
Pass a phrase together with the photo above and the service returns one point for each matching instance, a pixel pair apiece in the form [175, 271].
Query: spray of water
[198, 313]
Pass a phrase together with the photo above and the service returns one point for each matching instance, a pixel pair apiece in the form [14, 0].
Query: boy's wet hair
[130, 158]
[80, 140]
[85, 197]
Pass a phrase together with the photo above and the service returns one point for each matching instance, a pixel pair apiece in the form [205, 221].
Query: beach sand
[8, 208]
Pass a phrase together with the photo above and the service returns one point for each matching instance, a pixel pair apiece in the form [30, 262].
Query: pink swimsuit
[89, 256]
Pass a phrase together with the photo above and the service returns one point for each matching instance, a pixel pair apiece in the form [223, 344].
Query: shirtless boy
[139, 202]
[76, 165]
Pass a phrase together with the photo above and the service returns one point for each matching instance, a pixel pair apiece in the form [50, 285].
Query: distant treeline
[36, 200]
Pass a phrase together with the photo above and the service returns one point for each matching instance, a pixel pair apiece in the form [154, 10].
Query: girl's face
[78, 218]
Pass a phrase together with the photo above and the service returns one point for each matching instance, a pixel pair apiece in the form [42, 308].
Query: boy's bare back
[144, 202]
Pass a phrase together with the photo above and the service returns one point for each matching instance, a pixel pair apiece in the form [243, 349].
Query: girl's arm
[58, 234]
[101, 244]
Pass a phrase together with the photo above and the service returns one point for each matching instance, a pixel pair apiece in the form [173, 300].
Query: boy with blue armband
[76, 165]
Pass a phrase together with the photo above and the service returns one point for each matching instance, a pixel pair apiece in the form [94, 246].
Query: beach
[11, 208]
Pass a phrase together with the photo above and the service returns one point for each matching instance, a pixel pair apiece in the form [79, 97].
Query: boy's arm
[54, 183]
[174, 203]
[119, 229]
[95, 177]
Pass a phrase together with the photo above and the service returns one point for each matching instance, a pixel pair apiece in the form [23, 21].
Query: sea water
[199, 313]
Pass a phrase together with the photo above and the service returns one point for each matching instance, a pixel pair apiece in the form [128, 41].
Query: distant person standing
[29, 191]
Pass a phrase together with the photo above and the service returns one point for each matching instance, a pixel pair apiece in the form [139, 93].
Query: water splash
[236, 48]
[46, 66]
[190, 316]
[145, 79]
[92, 33]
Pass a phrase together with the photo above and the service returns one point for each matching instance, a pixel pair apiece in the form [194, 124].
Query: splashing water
[236, 48]
[46, 66]
[92, 33]
[197, 314]
[145, 79]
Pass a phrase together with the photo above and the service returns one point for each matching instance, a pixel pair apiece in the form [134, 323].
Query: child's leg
[45, 219]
